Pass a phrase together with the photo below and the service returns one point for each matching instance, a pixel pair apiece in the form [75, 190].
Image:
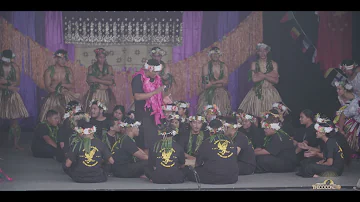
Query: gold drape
[236, 46]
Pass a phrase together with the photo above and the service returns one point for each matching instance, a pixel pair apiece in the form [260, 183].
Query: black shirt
[287, 126]
[124, 150]
[218, 157]
[137, 87]
[310, 136]
[42, 130]
[101, 127]
[281, 146]
[247, 154]
[64, 134]
[255, 134]
[334, 151]
[167, 162]
[88, 165]
[185, 138]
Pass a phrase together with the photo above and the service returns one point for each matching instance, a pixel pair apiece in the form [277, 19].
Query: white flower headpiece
[172, 108]
[182, 105]
[126, 125]
[323, 129]
[212, 109]
[172, 133]
[280, 106]
[263, 46]
[69, 113]
[158, 51]
[99, 104]
[151, 68]
[347, 86]
[85, 131]
[215, 50]
[196, 118]
[347, 67]
[235, 126]
[321, 120]
[212, 131]
[174, 116]
[275, 126]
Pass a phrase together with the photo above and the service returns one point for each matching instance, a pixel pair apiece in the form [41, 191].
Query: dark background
[302, 84]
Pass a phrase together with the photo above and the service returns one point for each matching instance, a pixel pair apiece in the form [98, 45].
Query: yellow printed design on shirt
[222, 146]
[340, 151]
[89, 161]
[166, 155]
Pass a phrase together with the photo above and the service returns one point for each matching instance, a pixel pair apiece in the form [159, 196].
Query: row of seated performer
[206, 148]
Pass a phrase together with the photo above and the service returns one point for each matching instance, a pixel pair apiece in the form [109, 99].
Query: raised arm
[273, 76]
[47, 81]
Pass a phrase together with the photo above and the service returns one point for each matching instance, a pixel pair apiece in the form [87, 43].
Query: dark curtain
[302, 84]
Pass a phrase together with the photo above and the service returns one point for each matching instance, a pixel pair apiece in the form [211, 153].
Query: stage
[46, 174]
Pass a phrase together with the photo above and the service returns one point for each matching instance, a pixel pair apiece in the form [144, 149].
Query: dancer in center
[148, 94]
[264, 74]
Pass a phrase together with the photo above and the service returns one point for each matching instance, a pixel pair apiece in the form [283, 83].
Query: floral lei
[155, 102]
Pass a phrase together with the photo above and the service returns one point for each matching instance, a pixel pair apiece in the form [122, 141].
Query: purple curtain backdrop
[192, 21]
[25, 22]
[54, 39]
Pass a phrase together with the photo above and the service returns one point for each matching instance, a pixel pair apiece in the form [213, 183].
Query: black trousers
[131, 170]
[209, 178]
[273, 164]
[177, 177]
[309, 168]
[85, 177]
[245, 168]
[45, 151]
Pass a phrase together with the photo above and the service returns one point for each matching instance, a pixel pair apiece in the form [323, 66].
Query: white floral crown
[275, 126]
[347, 86]
[264, 46]
[235, 126]
[347, 67]
[211, 130]
[151, 68]
[159, 51]
[85, 116]
[245, 116]
[172, 133]
[174, 116]
[126, 125]
[196, 118]
[321, 120]
[99, 104]
[69, 113]
[215, 51]
[213, 109]
[323, 129]
[280, 106]
[182, 105]
[172, 108]
[85, 131]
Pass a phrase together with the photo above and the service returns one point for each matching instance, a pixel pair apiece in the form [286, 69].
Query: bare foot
[143, 176]
[316, 176]
[17, 147]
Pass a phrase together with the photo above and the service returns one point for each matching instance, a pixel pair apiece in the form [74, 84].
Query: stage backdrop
[130, 56]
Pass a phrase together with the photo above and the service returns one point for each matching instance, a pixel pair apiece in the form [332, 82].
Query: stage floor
[46, 174]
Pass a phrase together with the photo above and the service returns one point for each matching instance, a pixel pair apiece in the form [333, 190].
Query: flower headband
[174, 117]
[71, 112]
[85, 131]
[245, 116]
[280, 106]
[158, 51]
[151, 68]
[347, 67]
[126, 125]
[323, 129]
[172, 133]
[213, 131]
[99, 51]
[212, 109]
[172, 108]
[263, 46]
[266, 115]
[234, 126]
[275, 126]
[321, 120]
[99, 104]
[214, 51]
[345, 85]
[182, 105]
[84, 116]
[196, 118]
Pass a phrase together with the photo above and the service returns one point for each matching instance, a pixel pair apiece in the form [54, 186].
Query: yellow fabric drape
[236, 46]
